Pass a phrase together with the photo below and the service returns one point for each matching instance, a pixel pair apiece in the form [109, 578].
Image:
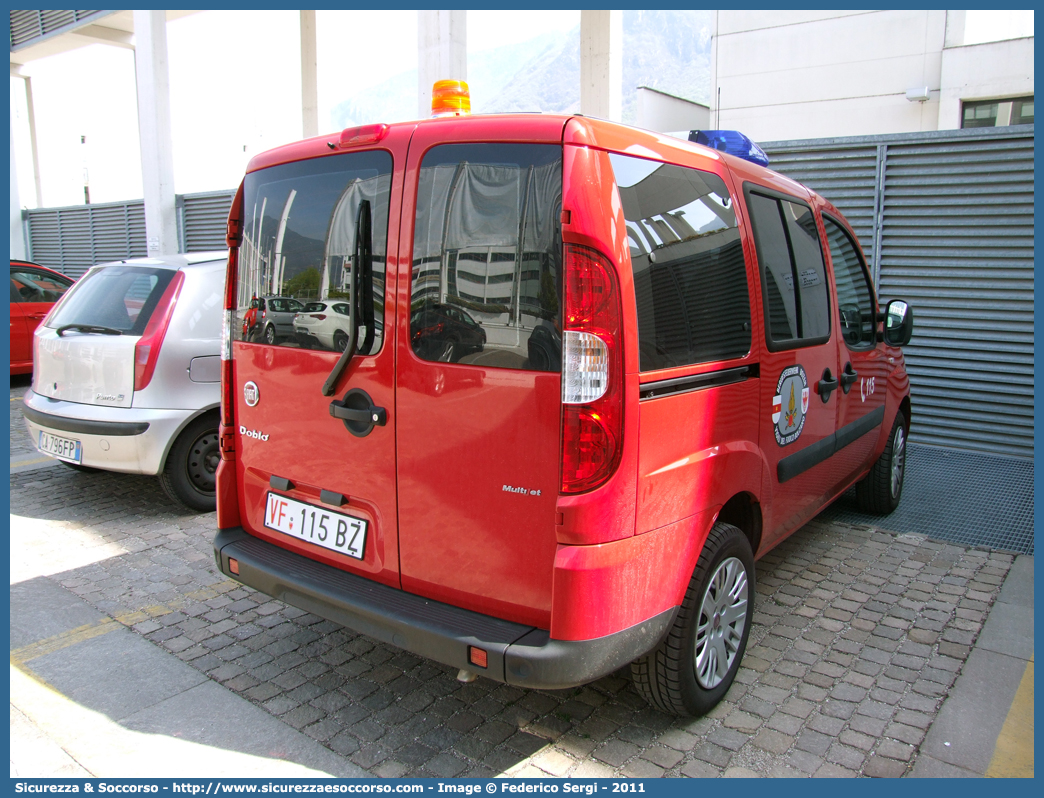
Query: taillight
[233, 236]
[228, 406]
[320, 316]
[147, 349]
[592, 371]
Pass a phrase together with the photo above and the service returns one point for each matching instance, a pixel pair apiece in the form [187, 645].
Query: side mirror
[898, 323]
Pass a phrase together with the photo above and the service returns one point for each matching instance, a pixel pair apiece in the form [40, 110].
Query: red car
[542, 520]
[34, 290]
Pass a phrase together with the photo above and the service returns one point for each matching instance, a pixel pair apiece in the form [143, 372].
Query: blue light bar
[731, 141]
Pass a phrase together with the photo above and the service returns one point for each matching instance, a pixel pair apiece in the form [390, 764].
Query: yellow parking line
[105, 625]
[15, 463]
[1013, 754]
[56, 643]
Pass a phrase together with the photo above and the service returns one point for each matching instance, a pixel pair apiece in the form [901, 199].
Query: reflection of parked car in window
[128, 373]
[445, 332]
[323, 323]
[34, 290]
[275, 317]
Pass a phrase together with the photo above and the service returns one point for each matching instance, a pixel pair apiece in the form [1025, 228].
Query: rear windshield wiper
[362, 271]
[88, 328]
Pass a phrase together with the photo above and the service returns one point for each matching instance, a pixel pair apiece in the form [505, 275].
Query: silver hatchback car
[128, 373]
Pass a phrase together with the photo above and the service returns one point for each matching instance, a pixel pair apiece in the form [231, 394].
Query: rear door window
[690, 279]
[300, 233]
[487, 256]
[120, 298]
[793, 273]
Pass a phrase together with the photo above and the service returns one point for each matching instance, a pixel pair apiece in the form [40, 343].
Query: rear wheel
[190, 474]
[694, 666]
[340, 340]
[270, 335]
[879, 492]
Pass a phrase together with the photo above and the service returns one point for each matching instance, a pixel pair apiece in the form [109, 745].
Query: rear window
[299, 243]
[487, 256]
[119, 297]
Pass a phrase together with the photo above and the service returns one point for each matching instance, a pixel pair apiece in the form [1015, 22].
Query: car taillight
[320, 316]
[592, 371]
[147, 349]
[228, 405]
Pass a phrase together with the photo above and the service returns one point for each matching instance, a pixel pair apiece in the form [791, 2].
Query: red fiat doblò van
[581, 376]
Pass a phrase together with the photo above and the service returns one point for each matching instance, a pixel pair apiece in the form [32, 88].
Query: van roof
[568, 129]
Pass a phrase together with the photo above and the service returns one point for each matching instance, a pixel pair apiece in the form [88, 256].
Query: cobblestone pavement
[858, 634]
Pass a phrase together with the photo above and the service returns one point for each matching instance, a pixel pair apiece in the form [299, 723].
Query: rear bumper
[130, 440]
[517, 654]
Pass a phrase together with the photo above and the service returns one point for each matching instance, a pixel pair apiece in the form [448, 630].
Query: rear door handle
[359, 413]
[848, 377]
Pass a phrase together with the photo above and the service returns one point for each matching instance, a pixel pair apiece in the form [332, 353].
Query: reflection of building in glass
[486, 240]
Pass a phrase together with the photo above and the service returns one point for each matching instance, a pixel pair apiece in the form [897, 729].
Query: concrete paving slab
[974, 714]
[1018, 586]
[105, 748]
[116, 674]
[1008, 630]
[213, 716]
[928, 767]
[41, 609]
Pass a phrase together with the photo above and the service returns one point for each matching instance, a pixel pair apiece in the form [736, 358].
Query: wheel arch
[743, 511]
[214, 409]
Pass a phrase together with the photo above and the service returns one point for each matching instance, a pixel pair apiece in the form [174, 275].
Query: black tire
[270, 335]
[667, 676]
[189, 476]
[879, 492]
[340, 340]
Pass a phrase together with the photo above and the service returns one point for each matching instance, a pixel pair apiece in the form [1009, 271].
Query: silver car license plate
[62, 448]
[335, 531]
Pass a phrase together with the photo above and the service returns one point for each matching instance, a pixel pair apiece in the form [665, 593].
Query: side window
[300, 231]
[487, 250]
[855, 303]
[793, 273]
[37, 286]
[690, 279]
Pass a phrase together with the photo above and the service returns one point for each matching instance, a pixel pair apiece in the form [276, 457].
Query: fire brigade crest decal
[790, 404]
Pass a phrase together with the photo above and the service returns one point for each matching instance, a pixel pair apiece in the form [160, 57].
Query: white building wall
[813, 74]
[665, 113]
[983, 72]
[805, 74]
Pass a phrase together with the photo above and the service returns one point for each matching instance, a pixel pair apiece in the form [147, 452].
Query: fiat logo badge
[251, 394]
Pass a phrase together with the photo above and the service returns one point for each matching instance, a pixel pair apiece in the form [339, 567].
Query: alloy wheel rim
[721, 622]
[203, 460]
[898, 461]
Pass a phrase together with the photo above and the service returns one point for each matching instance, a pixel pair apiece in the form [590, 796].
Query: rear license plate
[62, 448]
[335, 531]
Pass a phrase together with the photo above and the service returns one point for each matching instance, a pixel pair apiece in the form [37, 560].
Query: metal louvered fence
[74, 238]
[945, 219]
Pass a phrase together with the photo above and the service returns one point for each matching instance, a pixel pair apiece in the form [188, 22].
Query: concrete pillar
[17, 237]
[601, 64]
[309, 77]
[442, 43]
[157, 156]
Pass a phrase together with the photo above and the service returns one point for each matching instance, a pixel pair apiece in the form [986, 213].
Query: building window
[997, 113]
